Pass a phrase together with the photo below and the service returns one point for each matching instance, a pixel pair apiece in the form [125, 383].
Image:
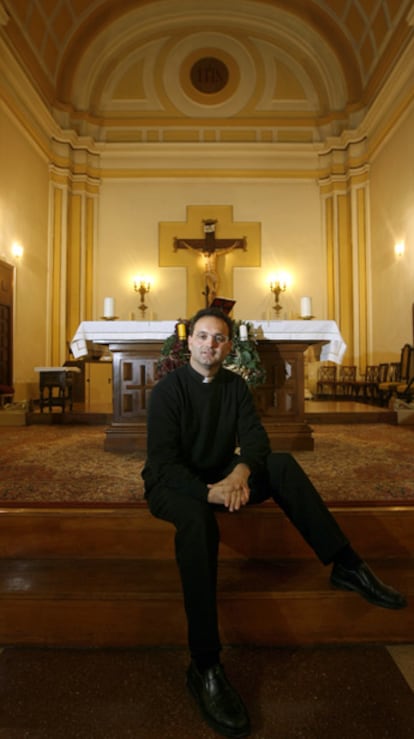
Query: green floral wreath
[243, 359]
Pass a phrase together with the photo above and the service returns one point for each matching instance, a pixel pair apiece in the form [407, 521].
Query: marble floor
[353, 692]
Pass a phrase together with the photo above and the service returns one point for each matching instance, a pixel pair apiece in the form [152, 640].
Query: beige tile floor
[403, 656]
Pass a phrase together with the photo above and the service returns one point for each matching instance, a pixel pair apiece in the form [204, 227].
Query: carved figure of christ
[210, 248]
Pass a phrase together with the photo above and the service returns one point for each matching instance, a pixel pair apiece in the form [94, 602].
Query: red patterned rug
[68, 465]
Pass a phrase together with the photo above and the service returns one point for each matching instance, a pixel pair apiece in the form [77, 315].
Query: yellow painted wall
[289, 214]
[392, 219]
[24, 218]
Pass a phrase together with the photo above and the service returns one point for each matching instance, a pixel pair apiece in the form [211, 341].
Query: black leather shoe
[362, 580]
[221, 706]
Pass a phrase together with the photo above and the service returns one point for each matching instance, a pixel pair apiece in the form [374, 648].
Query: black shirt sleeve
[166, 463]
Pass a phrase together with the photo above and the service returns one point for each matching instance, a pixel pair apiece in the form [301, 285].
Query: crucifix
[226, 231]
[210, 248]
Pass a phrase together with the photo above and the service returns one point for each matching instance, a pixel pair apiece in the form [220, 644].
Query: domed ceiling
[223, 70]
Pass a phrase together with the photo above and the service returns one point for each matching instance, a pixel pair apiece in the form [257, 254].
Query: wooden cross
[210, 248]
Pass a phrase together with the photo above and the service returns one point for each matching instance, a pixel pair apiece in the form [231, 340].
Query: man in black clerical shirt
[198, 415]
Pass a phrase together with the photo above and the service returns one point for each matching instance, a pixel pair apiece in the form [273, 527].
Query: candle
[182, 331]
[109, 308]
[306, 307]
[243, 332]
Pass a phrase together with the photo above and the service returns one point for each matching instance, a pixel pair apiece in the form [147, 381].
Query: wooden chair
[55, 386]
[6, 395]
[326, 380]
[365, 385]
[405, 390]
[383, 372]
[346, 380]
[398, 373]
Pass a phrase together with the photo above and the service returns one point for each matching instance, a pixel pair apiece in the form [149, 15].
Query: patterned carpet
[358, 462]
[67, 464]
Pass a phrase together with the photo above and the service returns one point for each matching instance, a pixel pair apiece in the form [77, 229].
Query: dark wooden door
[6, 323]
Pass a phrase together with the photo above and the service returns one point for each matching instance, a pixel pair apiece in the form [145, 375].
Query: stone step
[137, 602]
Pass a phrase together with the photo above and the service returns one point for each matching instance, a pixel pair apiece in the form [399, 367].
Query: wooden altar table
[136, 348]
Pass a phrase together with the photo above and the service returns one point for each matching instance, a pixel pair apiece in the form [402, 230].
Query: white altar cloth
[316, 332]
[105, 332]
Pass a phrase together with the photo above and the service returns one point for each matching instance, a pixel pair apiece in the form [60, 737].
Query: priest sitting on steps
[198, 415]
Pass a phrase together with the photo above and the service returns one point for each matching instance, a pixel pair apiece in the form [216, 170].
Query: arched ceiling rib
[103, 15]
[206, 29]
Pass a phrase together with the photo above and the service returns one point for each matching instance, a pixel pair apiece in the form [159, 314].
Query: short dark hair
[215, 313]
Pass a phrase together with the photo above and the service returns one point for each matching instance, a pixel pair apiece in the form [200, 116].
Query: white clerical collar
[208, 379]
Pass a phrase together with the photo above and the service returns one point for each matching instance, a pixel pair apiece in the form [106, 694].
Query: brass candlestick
[277, 288]
[142, 287]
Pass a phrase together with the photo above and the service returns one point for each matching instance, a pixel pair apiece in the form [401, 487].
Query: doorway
[6, 323]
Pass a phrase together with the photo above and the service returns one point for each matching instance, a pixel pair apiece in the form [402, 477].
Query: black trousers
[197, 537]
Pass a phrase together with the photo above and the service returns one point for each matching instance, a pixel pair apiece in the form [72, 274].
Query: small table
[55, 385]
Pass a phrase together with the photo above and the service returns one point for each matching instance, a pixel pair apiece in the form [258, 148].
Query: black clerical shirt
[194, 427]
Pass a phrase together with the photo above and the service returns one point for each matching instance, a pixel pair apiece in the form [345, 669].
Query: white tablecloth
[316, 332]
[325, 333]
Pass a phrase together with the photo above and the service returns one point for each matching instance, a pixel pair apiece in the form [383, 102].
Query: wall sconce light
[399, 249]
[17, 250]
[142, 285]
[277, 287]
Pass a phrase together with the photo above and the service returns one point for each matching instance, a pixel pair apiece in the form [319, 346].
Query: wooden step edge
[130, 533]
[288, 621]
[140, 508]
[137, 579]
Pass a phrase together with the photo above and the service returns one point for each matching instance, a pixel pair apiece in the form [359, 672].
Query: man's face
[209, 344]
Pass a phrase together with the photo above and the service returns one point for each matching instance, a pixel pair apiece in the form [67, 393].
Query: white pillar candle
[243, 332]
[306, 307]
[109, 308]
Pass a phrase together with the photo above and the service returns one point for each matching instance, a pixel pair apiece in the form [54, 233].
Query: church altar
[106, 332]
[136, 348]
